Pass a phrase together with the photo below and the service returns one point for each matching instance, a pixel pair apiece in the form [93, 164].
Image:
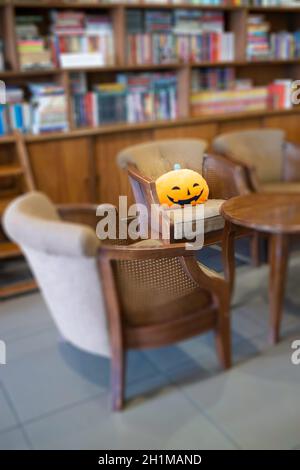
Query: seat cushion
[211, 215]
[282, 187]
[261, 148]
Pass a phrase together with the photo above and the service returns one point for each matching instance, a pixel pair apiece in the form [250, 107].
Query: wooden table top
[274, 213]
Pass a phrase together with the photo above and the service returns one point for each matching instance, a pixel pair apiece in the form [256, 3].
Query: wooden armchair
[153, 295]
[265, 161]
[157, 295]
[146, 162]
[268, 162]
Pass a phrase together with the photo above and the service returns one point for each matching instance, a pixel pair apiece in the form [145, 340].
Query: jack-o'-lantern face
[181, 187]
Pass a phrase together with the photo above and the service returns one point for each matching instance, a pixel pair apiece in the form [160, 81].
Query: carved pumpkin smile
[181, 186]
[182, 202]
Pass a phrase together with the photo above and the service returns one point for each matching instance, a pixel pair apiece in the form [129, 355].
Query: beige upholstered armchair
[148, 295]
[266, 162]
[269, 162]
[62, 256]
[146, 162]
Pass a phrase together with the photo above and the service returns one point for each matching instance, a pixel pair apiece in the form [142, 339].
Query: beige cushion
[153, 159]
[279, 188]
[32, 220]
[261, 148]
[212, 218]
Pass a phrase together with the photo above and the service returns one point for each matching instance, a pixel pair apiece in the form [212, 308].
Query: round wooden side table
[277, 215]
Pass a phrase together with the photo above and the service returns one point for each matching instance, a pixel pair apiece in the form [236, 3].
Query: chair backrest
[153, 159]
[62, 256]
[152, 283]
[262, 149]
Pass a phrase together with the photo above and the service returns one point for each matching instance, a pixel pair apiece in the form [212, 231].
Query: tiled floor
[53, 396]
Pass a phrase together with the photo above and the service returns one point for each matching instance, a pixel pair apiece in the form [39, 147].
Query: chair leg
[118, 376]
[223, 342]
[255, 250]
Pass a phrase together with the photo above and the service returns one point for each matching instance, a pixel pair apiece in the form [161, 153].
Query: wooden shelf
[7, 139]
[19, 288]
[3, 204]
[10, 170]
[157, 6]
[97, 6]
[125, 127]
[7, 74]
[80, 165]
[274, 8]
[9, 250]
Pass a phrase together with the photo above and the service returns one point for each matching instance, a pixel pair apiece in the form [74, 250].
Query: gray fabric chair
[62, 256]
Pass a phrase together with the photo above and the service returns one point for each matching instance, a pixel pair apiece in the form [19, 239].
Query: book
[229, 101]
[131, 98]
[15, 114]
[215, 78]
[239, 95]
[181, 35]
[82, 40]
[258, 41]
[280, 94]
[49, 108]
[33, 48]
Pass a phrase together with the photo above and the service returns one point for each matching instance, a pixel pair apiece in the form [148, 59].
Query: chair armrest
[147, 186]
[135, 252]
[216, 285]
[291, 165]
[79, 213]
[225, 177]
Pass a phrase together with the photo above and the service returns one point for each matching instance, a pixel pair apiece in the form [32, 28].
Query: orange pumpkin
[181, 186]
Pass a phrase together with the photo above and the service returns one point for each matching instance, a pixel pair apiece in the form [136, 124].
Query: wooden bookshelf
[62, 161]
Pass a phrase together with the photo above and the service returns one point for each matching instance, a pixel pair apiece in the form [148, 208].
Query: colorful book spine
[132, 98]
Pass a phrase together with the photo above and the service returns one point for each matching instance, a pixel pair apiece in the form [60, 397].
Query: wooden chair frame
[123, 337]
[225, 180]
[249, 183]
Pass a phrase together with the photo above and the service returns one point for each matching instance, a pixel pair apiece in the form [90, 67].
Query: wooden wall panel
[193, 131]
[61, 169]
[290, 124]
[111, 180]
[235, 126]
[84, 169]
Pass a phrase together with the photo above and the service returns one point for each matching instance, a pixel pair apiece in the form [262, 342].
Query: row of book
[132, 98]
[277, 95]
[80, 39]
[135, 98]
[33, 48]
[177, 36]
[45, 111]
[268, 3]
[76, 39]
[146, 49]
[284, 45]
[219, 78]
[264, 44]
[166, 2]
[186, 2]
